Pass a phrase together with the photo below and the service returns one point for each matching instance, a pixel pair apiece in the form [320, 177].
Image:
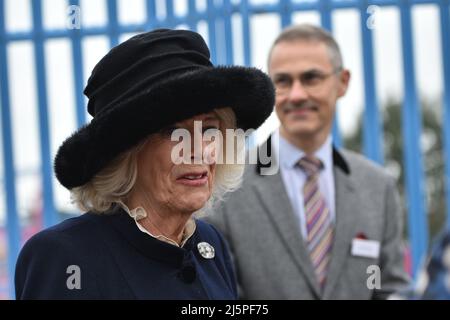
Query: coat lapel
[346, 222]
[274, 198]
[280, 212]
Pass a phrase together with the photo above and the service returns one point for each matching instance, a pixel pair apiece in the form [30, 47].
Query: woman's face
[172, 187]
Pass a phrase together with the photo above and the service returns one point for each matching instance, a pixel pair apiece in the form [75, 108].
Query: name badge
[366, 248]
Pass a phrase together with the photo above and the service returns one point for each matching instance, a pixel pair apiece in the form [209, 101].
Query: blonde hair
[114, 183]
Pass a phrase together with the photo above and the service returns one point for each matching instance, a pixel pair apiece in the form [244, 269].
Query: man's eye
[311, 78]
[282, 82]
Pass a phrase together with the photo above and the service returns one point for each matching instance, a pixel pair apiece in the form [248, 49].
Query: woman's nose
[198, 144]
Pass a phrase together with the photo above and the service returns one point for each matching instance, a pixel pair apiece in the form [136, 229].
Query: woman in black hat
[138, 239]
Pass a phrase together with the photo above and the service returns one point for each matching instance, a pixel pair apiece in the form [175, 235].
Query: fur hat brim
[248, 91]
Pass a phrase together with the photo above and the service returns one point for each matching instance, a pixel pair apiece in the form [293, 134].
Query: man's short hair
[308, 32]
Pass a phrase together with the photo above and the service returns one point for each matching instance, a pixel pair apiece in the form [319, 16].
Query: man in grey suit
[327, 225]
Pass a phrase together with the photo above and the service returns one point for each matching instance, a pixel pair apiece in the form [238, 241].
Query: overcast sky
[264, 28]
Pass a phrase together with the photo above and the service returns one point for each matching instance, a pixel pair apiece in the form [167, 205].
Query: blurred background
[396, 112]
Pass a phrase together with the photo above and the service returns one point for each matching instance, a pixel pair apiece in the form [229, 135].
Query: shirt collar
[289, 155]
[139, 213]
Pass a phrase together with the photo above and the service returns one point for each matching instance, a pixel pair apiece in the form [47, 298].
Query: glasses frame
[310, 88]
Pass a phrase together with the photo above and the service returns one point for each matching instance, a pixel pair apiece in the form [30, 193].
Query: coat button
[188, 273]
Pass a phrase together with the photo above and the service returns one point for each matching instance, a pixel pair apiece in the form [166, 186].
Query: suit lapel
[274, 198]
[346, 221]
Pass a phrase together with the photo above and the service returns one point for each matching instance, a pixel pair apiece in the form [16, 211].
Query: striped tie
[318, 221]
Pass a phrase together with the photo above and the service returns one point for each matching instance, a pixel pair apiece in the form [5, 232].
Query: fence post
[414, 176]
[49, 212]
[211, 11]
[228, 32]
[372, 133]
[325, 20]
[445, 31]
[12, 224]
[285, 13]
[245, 14]
[75, 37]
[113, 24]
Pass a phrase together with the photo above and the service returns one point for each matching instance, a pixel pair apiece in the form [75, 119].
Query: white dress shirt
[294, 178]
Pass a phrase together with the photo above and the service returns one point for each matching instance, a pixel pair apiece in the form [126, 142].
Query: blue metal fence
[218, 18]
[8, 157]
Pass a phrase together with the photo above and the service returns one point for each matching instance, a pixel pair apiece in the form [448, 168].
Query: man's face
[307, 88]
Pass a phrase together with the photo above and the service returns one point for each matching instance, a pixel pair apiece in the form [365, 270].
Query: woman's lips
[194, 179]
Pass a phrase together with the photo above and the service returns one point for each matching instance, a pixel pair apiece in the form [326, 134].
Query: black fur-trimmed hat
[149, 82]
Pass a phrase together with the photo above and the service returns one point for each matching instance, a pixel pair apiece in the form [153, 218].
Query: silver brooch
[206, 250]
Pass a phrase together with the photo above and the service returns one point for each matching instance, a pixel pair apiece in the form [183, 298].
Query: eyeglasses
[311, 80]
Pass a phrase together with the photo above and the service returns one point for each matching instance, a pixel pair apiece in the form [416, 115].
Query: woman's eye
[168, 130]
[212, 128]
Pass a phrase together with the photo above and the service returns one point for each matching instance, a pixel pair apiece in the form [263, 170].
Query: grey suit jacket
[271, 258]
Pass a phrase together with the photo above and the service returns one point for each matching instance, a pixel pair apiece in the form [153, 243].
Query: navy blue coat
[118, 261]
